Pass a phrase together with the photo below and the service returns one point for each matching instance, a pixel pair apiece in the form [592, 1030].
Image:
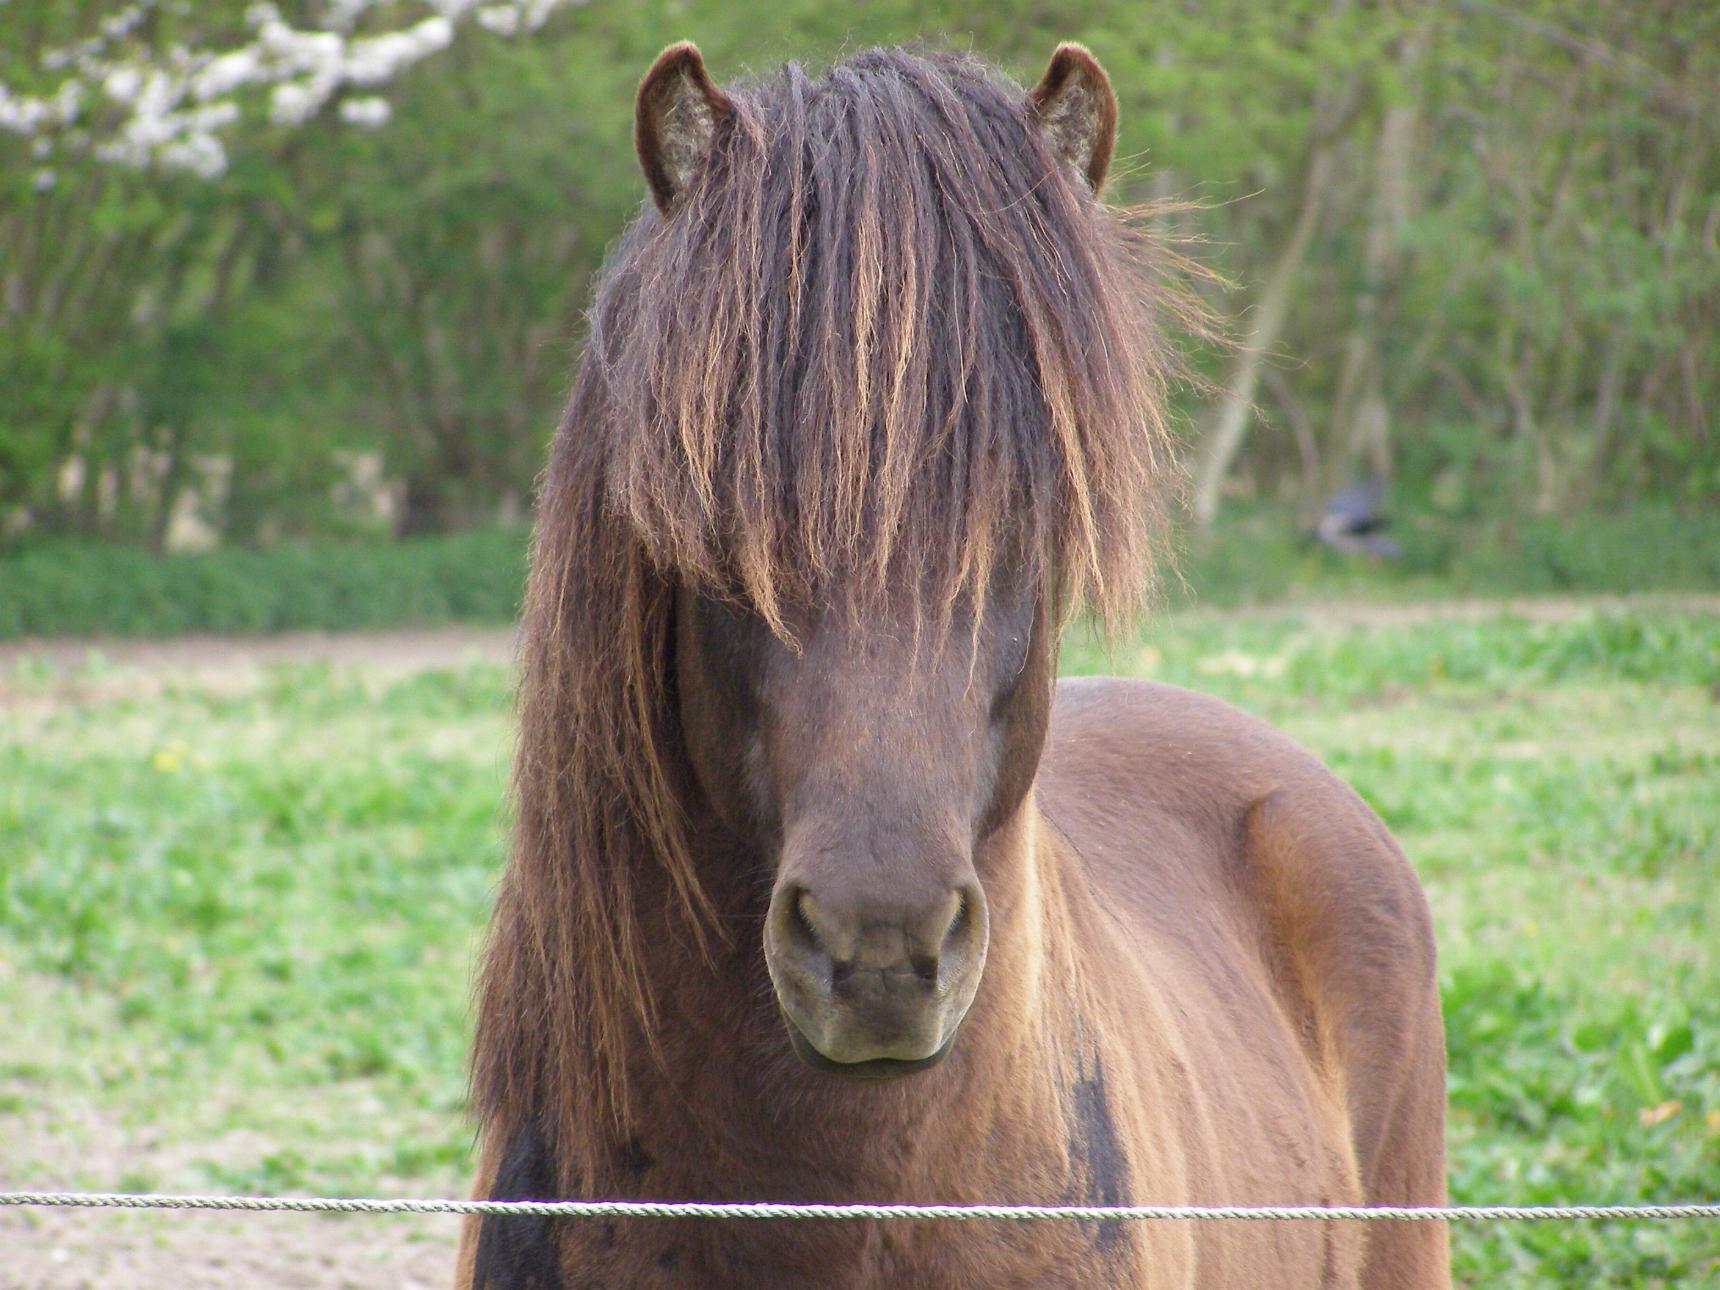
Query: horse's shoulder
[1209, 831]
[1152, 783]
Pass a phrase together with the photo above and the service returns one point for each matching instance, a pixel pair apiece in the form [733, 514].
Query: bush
[83, 589]
[1258, 556]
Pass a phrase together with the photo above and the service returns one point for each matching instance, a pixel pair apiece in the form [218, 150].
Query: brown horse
[823, 888]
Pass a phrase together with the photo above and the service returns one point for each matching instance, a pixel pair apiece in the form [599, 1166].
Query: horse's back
[1266, 897]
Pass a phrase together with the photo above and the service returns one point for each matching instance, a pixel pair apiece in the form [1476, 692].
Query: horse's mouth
[877, 1068]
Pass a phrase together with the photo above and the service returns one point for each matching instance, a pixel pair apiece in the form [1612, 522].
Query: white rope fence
[769, 1210]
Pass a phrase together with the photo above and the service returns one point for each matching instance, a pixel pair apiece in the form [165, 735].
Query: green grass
[239, 926]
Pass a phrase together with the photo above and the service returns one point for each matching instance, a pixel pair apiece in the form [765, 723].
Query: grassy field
[236, 922]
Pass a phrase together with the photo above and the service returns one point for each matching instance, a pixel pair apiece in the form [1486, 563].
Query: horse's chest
[852, 1256]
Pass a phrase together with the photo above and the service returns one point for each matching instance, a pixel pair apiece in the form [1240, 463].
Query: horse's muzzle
[874, 988]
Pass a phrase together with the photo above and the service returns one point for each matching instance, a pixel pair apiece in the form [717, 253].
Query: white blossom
[68, 100]
[501, 19]
[368, 113]
[116, 27]
[375, 59]
[537, 12]
[228, 72]
[343, 15]
[201, 154]
[20, 113]
[206, 120]
[292, 104]
[300, 50]
[160, 94]
[121, 24]
[175, 103]
[123, 83]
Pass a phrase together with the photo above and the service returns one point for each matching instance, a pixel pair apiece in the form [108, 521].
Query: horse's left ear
[675, 120]
[1077, 109]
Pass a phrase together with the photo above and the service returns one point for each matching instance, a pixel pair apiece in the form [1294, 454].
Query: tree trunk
[1222, 435]
[1361, 423]
[1307, 447]
[1608, 394]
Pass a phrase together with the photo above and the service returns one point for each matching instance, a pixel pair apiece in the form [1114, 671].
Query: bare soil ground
[63, 669]
[103, 1249]
[108, 1250]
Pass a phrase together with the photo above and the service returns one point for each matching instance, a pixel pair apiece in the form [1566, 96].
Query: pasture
[238, 912]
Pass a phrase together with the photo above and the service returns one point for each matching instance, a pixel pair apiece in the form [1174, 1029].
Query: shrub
[83, 589]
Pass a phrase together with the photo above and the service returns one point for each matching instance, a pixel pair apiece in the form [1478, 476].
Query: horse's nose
[875, 979]
[880, 948]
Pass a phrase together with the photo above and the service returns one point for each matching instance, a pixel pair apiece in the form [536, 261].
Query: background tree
[265, 246]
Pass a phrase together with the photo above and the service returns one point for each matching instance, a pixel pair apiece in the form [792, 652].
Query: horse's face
[866, 770]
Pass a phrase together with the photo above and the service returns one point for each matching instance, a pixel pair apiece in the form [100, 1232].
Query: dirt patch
[77, 670]
[84, 670]
[75, 1249]
[1535, 609]
[86, 1249]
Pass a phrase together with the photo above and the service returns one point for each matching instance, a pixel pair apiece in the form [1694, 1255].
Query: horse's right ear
[675, 121]
[1076, 107]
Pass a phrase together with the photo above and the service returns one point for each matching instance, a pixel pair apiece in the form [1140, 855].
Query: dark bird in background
[1355, 521]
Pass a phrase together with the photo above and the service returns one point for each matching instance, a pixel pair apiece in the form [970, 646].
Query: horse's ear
[675, 120]
[1077, 109]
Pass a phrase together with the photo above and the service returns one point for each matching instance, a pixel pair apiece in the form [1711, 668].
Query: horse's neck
[745, 1108]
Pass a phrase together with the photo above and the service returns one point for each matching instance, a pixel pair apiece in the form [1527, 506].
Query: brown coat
[1213, 983]
[874, 399]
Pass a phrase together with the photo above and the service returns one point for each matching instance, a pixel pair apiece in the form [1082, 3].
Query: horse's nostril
[864, 974]
[833, 942]
[959, 917]
[802, 925]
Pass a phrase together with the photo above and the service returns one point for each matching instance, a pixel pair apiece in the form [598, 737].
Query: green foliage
[249, 916]
[1533, 269]
[67, 588]
[1259, 556]
[64, 588]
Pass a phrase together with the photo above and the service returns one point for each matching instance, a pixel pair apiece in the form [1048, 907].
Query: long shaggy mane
[886, 338]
